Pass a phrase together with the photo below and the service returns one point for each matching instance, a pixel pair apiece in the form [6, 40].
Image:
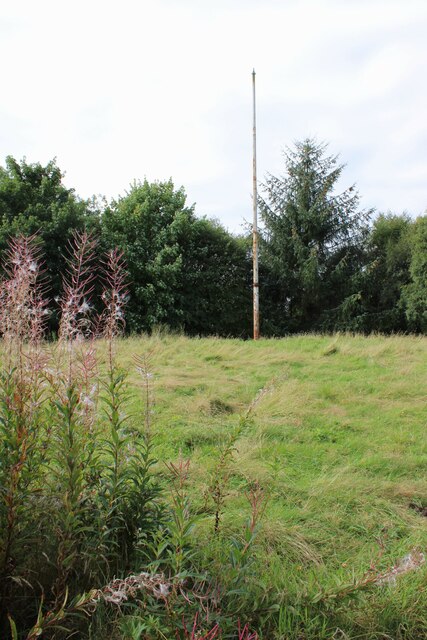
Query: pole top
[253, 71]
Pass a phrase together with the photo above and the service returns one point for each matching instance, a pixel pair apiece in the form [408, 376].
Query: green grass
[339, 441]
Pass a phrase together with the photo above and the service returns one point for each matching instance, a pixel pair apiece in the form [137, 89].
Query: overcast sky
[129, 89]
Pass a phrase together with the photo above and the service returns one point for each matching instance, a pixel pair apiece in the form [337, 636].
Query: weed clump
[330, 350]
[218, 407]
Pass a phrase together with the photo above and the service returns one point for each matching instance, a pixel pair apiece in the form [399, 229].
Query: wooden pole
[255, 224]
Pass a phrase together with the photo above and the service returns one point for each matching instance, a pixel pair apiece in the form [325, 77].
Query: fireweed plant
[128, 489]
[23, 428]
[89, 542]
[78, 502]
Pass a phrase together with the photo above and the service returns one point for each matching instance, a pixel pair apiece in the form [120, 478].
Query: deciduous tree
[186, 273]
[415, 293]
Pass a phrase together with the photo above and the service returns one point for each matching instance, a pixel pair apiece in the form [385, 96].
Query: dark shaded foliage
[187, 273]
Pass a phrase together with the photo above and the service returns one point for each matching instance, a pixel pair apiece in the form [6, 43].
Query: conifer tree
[312, 240]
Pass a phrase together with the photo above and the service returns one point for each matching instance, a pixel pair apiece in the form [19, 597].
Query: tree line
[325, 263]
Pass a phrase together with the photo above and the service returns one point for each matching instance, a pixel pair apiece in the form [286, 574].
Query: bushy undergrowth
[78, 503]
[89, 540]
[99, 539]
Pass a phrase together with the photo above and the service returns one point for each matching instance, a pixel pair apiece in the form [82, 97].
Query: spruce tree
[312, 240]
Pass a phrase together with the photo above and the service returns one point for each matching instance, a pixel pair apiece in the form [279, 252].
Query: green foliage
[389, 291]
[218, 488]
[184, 272]
[415, 293]
[128, 490]
[149, 224]
[321, 267]
[312, 240]
[216, 289]
[377, 304]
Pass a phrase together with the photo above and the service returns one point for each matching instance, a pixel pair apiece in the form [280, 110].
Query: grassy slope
[339, 438]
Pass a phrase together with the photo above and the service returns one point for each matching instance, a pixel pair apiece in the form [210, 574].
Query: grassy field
[337, 438]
